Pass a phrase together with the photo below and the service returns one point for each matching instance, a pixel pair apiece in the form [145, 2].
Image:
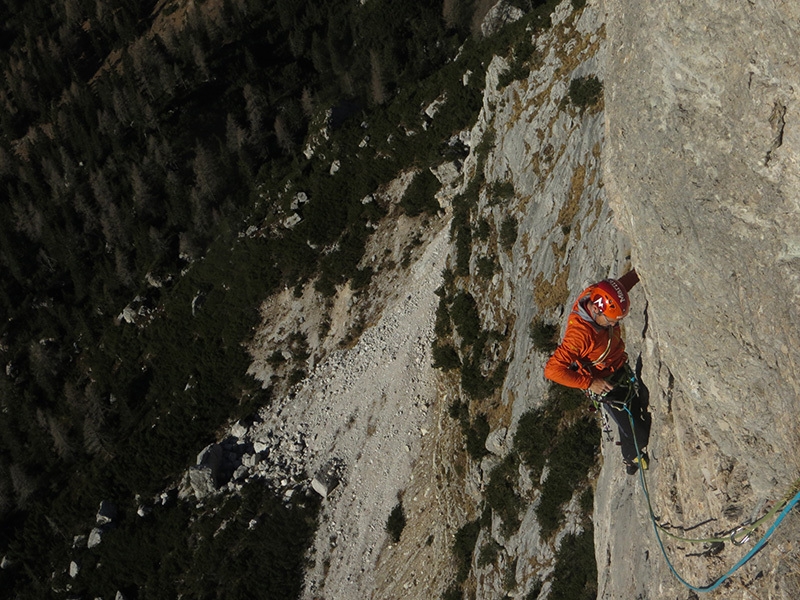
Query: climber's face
[605, 321]
[600, 318]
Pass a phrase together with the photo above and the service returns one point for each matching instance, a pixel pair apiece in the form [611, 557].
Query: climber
[592, 357]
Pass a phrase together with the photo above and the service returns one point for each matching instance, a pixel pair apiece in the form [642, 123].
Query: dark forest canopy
[137, 139]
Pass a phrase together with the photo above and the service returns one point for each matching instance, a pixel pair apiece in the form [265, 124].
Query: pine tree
[235, 136]
[377, 87]
[206, 175]
[255, 105]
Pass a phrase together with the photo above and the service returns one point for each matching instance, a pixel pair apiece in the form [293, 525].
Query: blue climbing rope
[760, 544]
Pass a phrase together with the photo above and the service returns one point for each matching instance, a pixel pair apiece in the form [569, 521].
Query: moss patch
[553, 294]
[570, 208]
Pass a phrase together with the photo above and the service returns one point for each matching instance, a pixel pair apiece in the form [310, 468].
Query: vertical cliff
[536, 162]
[701, 166]
[687, 171]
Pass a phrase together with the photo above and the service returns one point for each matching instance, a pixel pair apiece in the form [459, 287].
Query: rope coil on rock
[745, 530]
[789, 501]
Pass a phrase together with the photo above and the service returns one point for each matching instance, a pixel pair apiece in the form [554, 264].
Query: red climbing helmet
[610, 298]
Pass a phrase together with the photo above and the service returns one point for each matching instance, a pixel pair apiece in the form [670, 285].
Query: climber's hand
[600, 387]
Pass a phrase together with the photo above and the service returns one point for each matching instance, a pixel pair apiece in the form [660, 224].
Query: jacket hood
[580, 310]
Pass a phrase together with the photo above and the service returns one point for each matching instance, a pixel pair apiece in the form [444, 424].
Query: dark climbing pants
[641, 429]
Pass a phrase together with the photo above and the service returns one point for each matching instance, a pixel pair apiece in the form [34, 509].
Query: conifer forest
[139, 139]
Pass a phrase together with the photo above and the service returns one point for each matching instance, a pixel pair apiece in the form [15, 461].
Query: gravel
[367, 409]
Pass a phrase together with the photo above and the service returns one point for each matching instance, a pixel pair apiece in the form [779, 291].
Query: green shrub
[565, 399]
[585, 91]
[534, 436]
[464, 312]
[342, 264]
[361, 278]
[276, 358]
[475, 431]
[482, 150]
[587, 503]
[460, 228]
[474, 383]
[449, 279]
[445, 357]
[296, 376]
[486, 516]
[476, 434]
[463, 547]
[396, 522]
[501, 190]
[502, 495]
[570, 461]
[459, 410]
[462, 206]
[544, 336]
[519, 69]
[453, 592]
[483, 230]
[463, 250]
[489, 553]
[442, 328]
[524, 49]
[508, 233]
[485, 267]
[536, 589]
[575, 572]
[325, 285]
[552, 435]
[510, 575]
[420, 196]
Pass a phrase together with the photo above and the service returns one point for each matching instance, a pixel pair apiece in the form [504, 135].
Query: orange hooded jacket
[588, 351]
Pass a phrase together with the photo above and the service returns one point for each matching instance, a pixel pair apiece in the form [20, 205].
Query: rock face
[701, 164]
[688, 173]
[551, 152]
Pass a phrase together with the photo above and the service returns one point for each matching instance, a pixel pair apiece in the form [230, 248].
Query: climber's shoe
[643, 461]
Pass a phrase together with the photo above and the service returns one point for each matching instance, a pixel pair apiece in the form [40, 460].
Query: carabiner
[744, 539]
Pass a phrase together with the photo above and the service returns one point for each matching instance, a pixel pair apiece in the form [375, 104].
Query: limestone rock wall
[701, 166]
[551, 153]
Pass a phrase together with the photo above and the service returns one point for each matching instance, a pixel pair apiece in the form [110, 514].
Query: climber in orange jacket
[592, 357]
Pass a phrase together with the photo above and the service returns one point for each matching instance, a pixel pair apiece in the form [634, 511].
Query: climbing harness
[789, 501]
[624, 377]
